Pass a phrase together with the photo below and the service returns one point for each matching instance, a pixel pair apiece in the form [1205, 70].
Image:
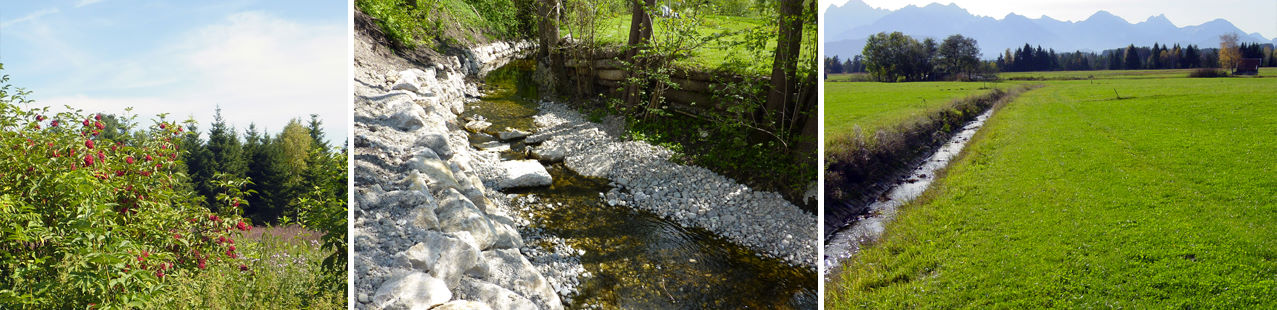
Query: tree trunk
[549, 27]
[640, 35]
[640, 23]
[789, 37]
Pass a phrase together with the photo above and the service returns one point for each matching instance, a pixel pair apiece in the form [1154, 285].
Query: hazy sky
[263, 61]
[1249, 15]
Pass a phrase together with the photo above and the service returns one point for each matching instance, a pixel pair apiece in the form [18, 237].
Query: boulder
[477, 125]
[550, 151]
[508, 268]
[523, 173]
[456, 213]
[445, 257]
[499, 298]
[463, 305]
[413, 290]
[511, 133]
[433, 173]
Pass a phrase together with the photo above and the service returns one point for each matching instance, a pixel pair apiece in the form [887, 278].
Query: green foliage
[1068, 198]
[323, 207]
[93, 216]
[413, 23]
[403, 23]
[282, 269]
[86, 221]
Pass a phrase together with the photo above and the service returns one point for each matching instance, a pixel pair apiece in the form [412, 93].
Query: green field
[874, 106]
[722, 53]
[1072, 198]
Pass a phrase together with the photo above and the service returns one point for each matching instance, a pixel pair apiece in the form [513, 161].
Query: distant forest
[283, 168]
[1029, 58]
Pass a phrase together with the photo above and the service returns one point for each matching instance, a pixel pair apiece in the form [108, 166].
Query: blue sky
[1249, 15]
[263, 61]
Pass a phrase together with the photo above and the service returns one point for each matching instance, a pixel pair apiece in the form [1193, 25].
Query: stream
[635, 259]
[847, 241]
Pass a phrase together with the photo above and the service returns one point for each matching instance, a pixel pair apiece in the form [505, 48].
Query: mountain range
[849, 25]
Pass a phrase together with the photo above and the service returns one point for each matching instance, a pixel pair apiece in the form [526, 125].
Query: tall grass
[281, 270]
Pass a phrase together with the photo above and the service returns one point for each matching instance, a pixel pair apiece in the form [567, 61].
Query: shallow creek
[636, 259]
[846, 242]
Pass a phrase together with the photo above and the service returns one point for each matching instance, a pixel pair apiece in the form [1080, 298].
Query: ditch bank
[868, 178]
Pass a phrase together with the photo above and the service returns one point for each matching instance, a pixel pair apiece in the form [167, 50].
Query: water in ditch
[637, 259]
[846, 242]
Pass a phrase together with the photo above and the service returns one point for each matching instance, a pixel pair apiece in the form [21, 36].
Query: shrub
[89, 221]
[1207, 73]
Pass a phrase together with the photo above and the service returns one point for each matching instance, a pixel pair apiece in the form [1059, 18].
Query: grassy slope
[721, 53]
[1068, 198]
[874, 106]
[616, 30]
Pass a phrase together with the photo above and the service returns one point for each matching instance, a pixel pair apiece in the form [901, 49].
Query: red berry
[159, 273]
[177, 236]
[163, 125]
[86, 122]
[39, 118]
[148, 157]
[99, 125]
[88, 143]
[101, 156]
[243, 226]
[232, 248]
[88, 160]
[242, 267]
[97, 117]
[201, 263]
[54, 124]
[129, 160]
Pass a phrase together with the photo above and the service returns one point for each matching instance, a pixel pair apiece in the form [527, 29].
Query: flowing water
[636, 258]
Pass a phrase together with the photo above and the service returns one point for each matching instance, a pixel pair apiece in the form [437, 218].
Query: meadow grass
[873, 106]
[1072, 198]
[283, 272]
[727, 52]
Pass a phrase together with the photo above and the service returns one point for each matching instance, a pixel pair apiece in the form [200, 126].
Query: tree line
[915, 60]
[283, 168]
[1131, 57]
[897, 57]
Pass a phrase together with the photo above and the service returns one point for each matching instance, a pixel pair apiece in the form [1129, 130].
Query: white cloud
[86, 2]
[259, 68]
[29, 17]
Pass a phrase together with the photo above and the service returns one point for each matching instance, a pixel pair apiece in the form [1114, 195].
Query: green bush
[87, 221]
